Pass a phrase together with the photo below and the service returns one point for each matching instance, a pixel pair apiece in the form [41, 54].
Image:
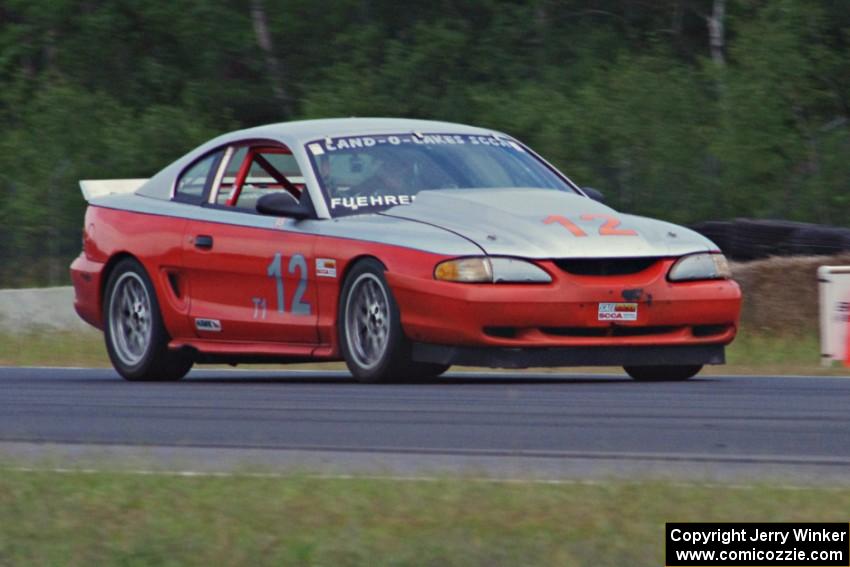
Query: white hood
[512, 222]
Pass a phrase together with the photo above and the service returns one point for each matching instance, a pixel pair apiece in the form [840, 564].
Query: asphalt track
[504, 425]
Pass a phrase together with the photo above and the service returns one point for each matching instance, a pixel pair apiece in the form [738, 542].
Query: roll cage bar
[254, 155]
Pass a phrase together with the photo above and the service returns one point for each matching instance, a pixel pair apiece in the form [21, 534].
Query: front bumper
[565, 313]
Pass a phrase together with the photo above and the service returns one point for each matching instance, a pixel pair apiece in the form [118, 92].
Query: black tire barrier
[819, 241]
[719, 232]
[748, 239]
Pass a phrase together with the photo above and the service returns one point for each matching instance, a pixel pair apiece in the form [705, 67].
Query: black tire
[135, 335]
[421, 372]
[392, 360]
[426, 370]
[662, 373]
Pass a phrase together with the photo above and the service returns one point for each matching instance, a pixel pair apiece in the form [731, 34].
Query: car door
[249, 275]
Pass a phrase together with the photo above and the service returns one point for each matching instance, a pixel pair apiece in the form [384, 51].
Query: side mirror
[594, 194]
[282, 204]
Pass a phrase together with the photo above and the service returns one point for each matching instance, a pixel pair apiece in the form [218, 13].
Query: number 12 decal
[608, 228]
[275, 271]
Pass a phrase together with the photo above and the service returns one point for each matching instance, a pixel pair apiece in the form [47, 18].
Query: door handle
[204, 242]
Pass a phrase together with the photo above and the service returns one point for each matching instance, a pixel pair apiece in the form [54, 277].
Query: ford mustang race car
[400, 246]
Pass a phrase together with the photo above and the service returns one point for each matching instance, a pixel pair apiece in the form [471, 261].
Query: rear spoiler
[92, 188]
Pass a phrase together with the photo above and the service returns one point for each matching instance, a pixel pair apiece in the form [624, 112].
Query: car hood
[513, 222]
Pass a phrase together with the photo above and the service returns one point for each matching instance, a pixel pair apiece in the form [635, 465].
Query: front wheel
[662, 373]
[136, 339]
[370, 334]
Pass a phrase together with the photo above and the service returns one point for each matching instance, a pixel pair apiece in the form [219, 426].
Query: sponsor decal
[358, 142]
[325, 268]
[208, 325]
[618, 312]
[355, 203]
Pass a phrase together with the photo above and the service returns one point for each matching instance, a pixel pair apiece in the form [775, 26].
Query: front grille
[608, 331]
[501, 332]
[698, 331]
[605, 266]
[709, 330]
[601, 332]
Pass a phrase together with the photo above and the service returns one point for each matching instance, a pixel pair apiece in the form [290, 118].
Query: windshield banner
[362, 142]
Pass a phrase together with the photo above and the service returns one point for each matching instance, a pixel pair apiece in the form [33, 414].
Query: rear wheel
[370, 334]
[135, 335]
[662, 373]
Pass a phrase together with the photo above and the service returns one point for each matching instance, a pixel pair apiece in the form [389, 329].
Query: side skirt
[232, 352]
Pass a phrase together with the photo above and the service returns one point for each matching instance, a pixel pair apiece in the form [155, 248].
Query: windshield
[364, 174]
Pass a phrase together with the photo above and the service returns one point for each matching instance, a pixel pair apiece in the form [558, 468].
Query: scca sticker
[618, 312]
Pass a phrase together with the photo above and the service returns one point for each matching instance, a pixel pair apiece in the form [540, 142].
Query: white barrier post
[834, 295]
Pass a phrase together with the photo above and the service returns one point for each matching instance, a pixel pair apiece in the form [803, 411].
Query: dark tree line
[684, 109]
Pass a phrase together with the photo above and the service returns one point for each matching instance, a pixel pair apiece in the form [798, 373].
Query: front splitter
[501, 357]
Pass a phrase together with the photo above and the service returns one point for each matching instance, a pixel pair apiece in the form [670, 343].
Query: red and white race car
[400, 246]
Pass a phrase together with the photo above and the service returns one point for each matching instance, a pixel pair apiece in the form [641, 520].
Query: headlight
[468, 270]
[490, 270]
[700, 267]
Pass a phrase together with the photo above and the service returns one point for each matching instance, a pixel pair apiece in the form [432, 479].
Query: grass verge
[120, 519]
[762, 353]
[53, 348]
[751, 353]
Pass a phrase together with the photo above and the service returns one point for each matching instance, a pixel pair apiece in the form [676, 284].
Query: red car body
[267, 289]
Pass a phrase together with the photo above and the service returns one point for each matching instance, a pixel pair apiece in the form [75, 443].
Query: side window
[265, 169]
[193, 183]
